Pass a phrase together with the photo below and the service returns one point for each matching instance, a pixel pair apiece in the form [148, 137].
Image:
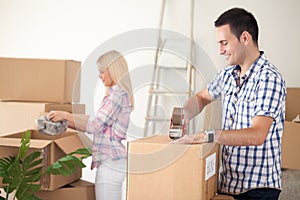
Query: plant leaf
[21, 173]
[67, 165]
[28, 161]
[25, 142]
[82, 151]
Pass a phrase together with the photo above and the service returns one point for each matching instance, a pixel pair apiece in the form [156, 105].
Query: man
[253, 96]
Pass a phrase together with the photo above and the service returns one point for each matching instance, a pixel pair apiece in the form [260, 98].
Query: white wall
[75, 29]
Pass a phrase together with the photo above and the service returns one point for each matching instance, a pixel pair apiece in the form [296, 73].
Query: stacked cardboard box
[40, 80]
[79, 190]
[291, 133]
[29, 89]
[160, 170]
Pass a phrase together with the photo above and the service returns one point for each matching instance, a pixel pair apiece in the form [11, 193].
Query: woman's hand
[56, 116]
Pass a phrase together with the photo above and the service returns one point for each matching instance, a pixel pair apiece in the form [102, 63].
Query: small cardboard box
[79, 190]
[223, 197]
[160, 170]
[52, 148]
[41, 80]
[291, 133]
[18, 116]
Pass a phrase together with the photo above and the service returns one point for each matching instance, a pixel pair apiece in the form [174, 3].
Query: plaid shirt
[109, 126]
[261, 91]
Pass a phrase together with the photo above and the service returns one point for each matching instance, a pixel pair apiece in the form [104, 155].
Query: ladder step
[157, 118]
[166, 92]
[170, 67]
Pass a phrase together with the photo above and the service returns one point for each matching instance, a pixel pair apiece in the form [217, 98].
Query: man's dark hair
[239, 20]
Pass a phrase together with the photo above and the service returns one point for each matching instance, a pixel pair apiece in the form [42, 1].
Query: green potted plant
[21, 173]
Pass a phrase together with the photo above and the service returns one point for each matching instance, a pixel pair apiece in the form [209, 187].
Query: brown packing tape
[177, 116]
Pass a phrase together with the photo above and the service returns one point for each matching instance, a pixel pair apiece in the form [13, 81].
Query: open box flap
[16, 142]
[69, 144]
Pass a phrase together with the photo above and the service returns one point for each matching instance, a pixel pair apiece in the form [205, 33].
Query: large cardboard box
[42, 80]
[18, 116]
[79, 190]
[291, 133]
[160, 170]
[52, 148]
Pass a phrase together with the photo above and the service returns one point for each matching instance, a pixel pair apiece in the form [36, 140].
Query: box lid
[68, 142]
[15, 142]
[164, 140]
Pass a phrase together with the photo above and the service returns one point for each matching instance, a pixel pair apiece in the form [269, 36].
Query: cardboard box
[79, 190]
[160, 170]
[42, 80]
[52, 148]
[19, 116]
[291, 133]
[222, 197]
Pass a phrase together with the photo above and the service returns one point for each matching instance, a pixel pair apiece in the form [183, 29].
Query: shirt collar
[112, 89]
[254, 67]
[115, 88]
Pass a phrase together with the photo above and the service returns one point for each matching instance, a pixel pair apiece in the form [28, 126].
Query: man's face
[229, 45]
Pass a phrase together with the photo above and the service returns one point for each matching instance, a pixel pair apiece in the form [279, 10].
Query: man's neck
[251, 57]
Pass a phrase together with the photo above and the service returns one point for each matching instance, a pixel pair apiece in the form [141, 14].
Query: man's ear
[245, 37]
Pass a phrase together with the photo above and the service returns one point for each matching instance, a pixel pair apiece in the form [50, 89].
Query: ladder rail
[153, 84]
[156, 75]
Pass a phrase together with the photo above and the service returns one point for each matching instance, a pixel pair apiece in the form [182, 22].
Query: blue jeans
[259, 194]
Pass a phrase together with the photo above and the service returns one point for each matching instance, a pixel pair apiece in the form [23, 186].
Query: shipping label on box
[210, 166]
[160, 170]
[52, 148]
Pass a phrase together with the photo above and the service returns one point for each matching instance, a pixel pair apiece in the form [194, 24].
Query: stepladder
[173, 78]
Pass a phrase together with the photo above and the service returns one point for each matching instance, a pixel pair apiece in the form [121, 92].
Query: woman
[108, 127]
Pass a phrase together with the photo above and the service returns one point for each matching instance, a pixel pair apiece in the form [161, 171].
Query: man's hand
[198, 138]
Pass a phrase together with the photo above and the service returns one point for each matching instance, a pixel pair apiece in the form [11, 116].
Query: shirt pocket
[247, 105]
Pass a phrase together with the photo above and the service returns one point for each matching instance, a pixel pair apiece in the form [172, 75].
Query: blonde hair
[115, 62]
